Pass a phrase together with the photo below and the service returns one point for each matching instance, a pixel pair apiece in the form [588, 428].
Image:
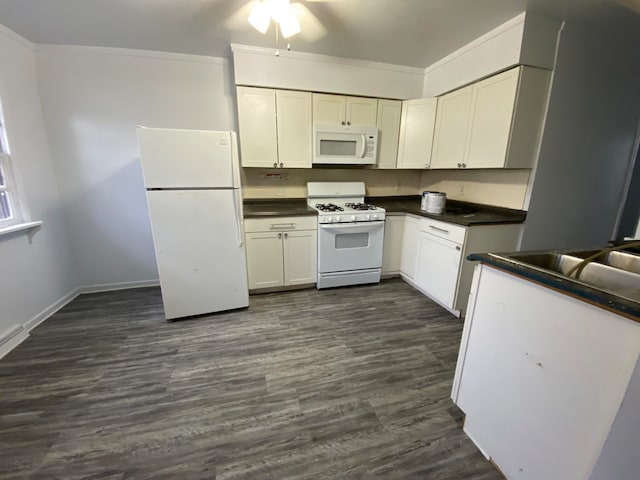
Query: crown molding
[316, 57]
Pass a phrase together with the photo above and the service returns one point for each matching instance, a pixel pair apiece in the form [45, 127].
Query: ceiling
[405, 32]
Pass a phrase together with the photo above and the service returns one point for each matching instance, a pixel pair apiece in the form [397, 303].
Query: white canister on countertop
[433, 202]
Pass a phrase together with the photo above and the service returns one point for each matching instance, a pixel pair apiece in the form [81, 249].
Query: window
[9, 205]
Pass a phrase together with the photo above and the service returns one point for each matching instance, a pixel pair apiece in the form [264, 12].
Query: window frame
[12, 192]
[10, 185]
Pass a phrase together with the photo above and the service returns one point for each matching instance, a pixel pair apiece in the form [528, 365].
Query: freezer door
[199, 250]
[186, 158]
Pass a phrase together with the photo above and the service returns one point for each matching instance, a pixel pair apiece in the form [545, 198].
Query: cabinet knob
[464, 165]
[458, 247]
[286, 235]
[281, 165]
[428, 165]
[348, 123]
[459, 165]
[279, 235]
[275, 165]
[342, 122]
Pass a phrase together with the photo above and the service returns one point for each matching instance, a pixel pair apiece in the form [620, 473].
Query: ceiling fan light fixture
[280, 9]
[282, 13]
[260, 17]
[289, 24]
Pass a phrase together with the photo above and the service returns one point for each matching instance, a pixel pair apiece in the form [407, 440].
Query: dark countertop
[461, 213]
[277, 207]
[608, 301]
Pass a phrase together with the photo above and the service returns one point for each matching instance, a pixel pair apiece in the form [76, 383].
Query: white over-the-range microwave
[345, 145]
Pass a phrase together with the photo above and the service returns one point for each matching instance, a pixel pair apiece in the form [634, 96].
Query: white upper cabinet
[342, 110]
[416, 133]
[494, 123]
[361, 111]
[491, 114]
[452, 124]
[275, 128]
[388, 123]
[293, 119]
[257, 122]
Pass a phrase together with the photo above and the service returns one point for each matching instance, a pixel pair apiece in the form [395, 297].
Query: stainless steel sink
[614, 272]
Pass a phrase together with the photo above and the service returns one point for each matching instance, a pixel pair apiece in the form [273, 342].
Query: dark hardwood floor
[349, 383]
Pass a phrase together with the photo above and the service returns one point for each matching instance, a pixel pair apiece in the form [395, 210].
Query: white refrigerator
[192, 178]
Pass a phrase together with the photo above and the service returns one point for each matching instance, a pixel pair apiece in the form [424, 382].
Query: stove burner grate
[328, 207]
[360, 206]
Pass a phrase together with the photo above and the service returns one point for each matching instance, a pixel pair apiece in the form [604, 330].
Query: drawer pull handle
[439, 229]
[275, 226]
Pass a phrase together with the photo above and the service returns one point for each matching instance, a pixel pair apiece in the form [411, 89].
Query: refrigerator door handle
[237, 205]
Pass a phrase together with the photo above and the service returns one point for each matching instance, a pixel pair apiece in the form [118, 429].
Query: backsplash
[257, 183]
[502, 188]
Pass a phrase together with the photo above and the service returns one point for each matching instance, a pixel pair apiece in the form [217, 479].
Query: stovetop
[348, 212]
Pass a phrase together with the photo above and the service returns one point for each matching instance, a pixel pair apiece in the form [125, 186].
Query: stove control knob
[353, 218]
[375, 216]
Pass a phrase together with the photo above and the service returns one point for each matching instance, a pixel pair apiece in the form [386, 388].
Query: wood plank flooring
[349, 383]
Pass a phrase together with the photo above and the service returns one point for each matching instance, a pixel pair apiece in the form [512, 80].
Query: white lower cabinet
[433, 256]
[281, 251]
[543, 379]
[300, 258]
[393, 235]
[437, 267]
[409, 246]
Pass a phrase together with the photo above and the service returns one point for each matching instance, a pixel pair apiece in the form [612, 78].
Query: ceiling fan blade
[311, 29]
[239, 19]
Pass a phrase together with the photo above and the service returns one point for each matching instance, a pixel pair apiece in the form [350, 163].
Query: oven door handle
[358, 227]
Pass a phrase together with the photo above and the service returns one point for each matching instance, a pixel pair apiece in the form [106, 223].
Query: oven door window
[338, 148]
[351, 240]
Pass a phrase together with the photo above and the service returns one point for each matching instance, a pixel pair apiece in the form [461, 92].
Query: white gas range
[350, 234]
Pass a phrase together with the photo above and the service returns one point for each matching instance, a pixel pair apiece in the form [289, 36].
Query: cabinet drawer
[280, 224]
[449, 231]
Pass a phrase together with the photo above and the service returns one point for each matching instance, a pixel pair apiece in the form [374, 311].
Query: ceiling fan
[290, 18]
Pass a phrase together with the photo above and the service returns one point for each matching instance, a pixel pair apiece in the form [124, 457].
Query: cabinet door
[437, 267]
[328, 109]
[388, 123]
[265, 259]
[294, 128]
[416, 133]
[361, 111]
[393, 234]
[492, 108]
[257, 122]
[452, 125]
[409, 246]
[300, 257]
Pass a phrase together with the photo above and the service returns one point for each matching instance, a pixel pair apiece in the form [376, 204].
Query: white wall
[35, 274]
[92, 99]
[526, 39]
[259, 67]
[592, 119]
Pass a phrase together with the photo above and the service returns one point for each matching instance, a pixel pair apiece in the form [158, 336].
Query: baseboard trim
[19, 333]
[12, 338]
[50, 310]
[108, 287]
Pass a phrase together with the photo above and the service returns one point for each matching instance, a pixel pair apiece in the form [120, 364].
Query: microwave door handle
[364, 146]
